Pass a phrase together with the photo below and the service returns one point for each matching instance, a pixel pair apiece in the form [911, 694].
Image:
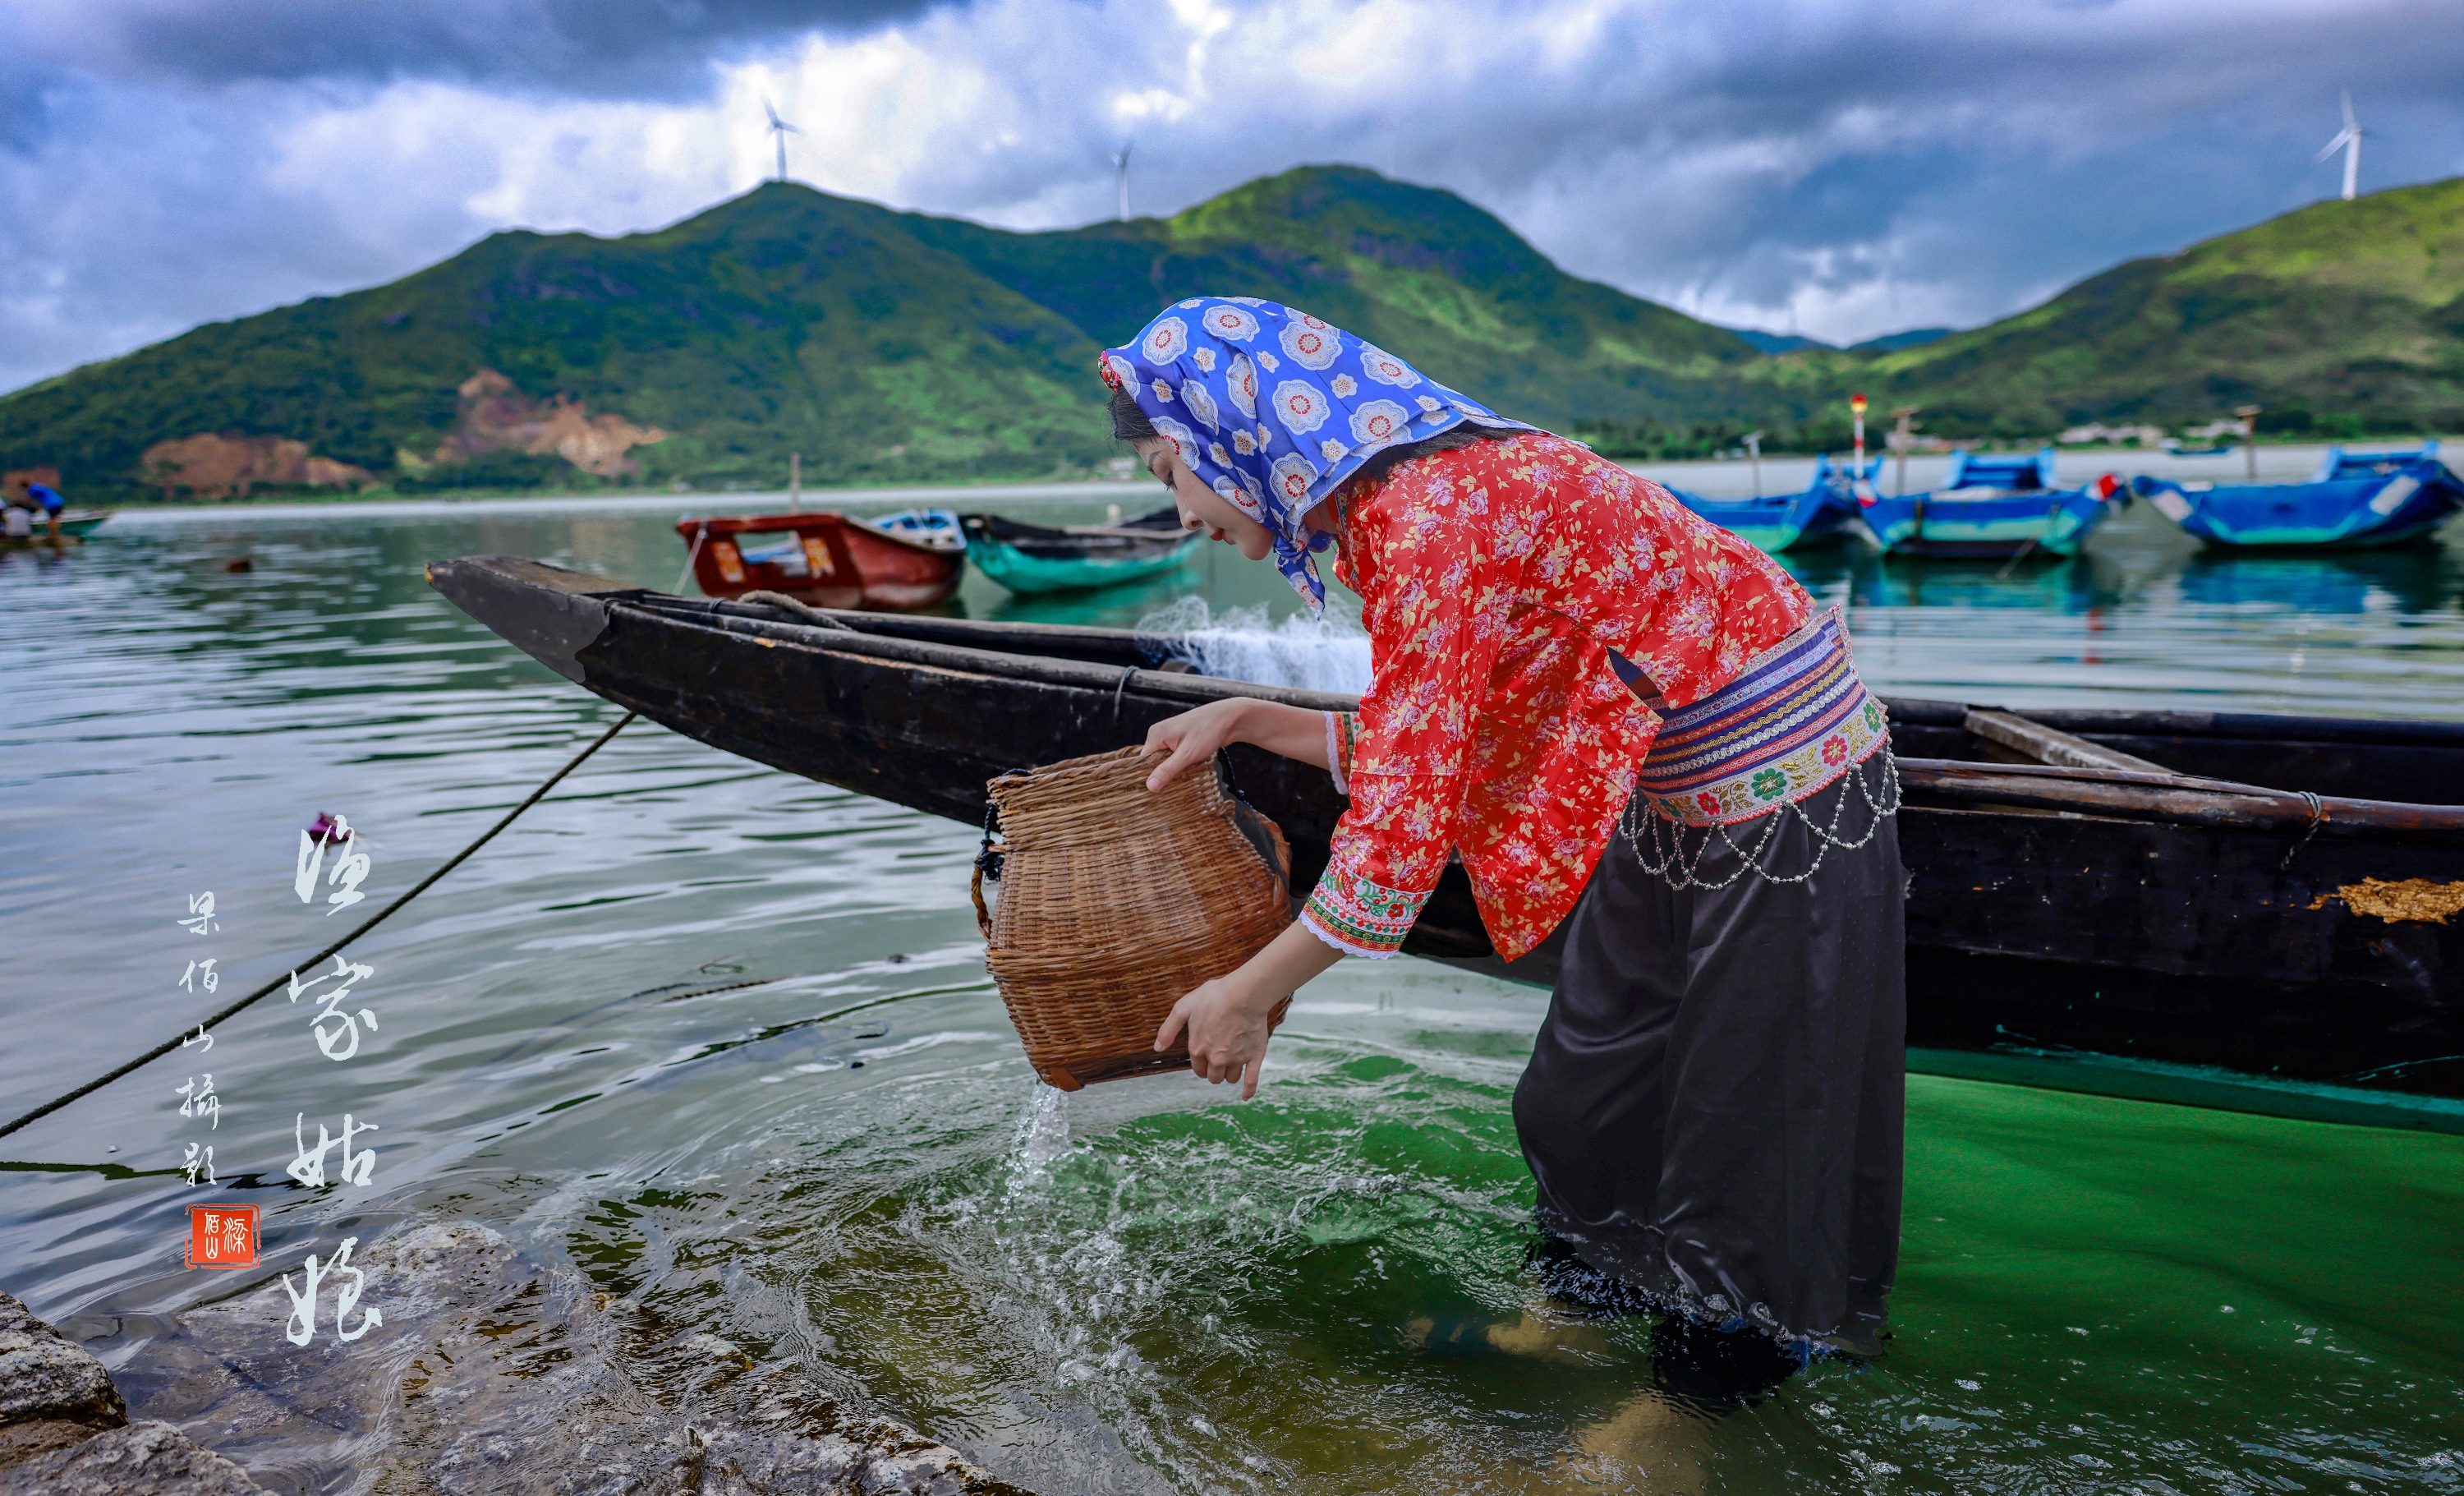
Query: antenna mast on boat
[1901, 440]
[2249, 439]
[1754, 441]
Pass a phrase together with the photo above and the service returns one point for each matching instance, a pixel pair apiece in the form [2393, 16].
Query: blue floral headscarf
[1274, 410]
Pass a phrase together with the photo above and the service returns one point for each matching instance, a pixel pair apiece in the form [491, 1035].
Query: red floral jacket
[1496, 579]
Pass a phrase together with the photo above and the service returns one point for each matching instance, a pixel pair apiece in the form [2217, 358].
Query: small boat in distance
[1778, 521]
[75, 524]
[1030, 558]
[909, 560]
[1991, 507]
[2355, 498]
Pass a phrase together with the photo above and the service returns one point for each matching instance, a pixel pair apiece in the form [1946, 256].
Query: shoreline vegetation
[900, 349]
[821, 497]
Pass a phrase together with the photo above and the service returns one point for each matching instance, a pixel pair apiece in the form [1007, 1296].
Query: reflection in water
[845, 1174]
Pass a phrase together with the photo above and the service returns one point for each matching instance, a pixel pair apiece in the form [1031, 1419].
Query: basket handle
[988, 860]
[975, 891]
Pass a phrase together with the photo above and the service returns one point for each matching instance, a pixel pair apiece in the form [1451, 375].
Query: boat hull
[834, 561]
[2390, 509]
[1773, 524]
[1035, 559]
[2154, 917]
[1826, 511]
[75, 524]
[1034, 576]
[1984, 525]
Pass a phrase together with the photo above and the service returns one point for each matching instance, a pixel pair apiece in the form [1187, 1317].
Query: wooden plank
[2049, 745]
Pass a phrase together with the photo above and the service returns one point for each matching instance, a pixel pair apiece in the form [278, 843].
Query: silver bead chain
[1673, 865]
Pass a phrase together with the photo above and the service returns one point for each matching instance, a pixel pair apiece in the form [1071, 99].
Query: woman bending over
[1621, 719]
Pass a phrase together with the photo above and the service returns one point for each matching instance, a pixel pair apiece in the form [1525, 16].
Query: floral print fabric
[1274, 410]
[1496, 579]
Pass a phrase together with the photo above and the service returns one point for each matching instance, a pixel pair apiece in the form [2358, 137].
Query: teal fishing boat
[75, 524]
[1777, 522]
[1991, 507]
[2355, 498]
[1030, 558]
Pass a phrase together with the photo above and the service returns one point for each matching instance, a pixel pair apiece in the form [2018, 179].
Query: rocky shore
[64, 1430]
[492, 1372]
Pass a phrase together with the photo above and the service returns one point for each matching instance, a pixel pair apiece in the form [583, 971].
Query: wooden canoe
[2274, 909]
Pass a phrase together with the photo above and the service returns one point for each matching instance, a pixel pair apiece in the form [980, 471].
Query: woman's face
[1201, 508]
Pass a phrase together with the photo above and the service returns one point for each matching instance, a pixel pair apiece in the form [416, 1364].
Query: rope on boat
[700, 534]
[803, 610]
[372, 921]
[2318, 819]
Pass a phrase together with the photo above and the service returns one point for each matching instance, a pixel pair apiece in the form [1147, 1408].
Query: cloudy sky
[1838, 169]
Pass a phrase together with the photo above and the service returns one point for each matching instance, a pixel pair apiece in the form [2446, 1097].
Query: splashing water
[1311, 654]
[1043, 1135]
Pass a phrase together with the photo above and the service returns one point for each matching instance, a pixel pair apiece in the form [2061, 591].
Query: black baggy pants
[1714, 1106]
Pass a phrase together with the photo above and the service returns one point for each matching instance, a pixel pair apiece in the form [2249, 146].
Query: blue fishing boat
[1777, 522]
[1991, 507]
[2355, 498]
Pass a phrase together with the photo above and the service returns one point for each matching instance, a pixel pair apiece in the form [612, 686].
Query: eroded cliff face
[223, 465]
[495, 416]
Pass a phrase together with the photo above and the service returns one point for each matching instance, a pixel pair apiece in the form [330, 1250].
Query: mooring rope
[372, 921]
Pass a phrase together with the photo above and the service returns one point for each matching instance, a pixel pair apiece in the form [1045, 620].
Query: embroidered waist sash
[1791, 723]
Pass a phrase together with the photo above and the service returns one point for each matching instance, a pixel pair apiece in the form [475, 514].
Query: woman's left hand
[1227, 1028]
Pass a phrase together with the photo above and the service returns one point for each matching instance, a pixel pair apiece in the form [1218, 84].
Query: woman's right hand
[1194, 737]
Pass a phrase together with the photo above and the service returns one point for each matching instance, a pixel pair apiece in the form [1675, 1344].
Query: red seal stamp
[221, 1236]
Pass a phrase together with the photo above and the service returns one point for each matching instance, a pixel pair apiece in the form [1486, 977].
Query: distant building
[2098, 434]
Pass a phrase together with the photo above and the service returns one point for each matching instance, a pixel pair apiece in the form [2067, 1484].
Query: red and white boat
[895, 564]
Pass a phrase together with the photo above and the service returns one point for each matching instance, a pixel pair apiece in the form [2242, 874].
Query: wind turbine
[1121, 162]
[2349, 140]
[781, 129]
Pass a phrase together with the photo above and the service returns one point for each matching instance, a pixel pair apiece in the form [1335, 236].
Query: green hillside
[1409, 268]
[2341, 317]
[890, 347]
[783, 319]
[883, 347]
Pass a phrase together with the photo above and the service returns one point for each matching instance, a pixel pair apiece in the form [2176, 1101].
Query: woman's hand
[1295, 732]
[1227, 1018]
[1195, 737]
[1226, 1023]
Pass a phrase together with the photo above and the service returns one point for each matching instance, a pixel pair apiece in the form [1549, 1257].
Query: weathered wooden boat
[2354, 499]
[1032, 559]
[909, 559]
[2278, 899]
[1826, 510]
[1989, 507]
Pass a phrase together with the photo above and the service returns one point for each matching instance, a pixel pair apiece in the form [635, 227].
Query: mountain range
[886, 346]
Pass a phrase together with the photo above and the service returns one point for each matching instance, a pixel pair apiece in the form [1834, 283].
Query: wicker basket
[1116, 902]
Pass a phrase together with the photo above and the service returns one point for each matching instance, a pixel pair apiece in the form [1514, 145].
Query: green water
[1147, 1286]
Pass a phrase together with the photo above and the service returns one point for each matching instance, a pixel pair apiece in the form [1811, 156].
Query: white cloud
[1852, 170]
